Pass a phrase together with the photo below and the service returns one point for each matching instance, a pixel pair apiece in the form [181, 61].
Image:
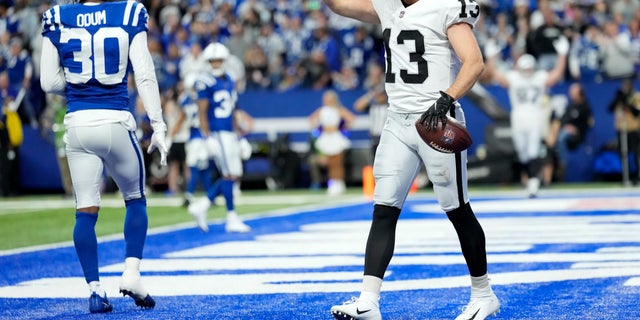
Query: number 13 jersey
[419, 59]
[94, 42]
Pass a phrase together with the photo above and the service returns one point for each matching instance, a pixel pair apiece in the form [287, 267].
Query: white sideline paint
[293, 262]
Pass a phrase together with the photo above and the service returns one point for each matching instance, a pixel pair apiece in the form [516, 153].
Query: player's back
[220, 91]
[93, 43]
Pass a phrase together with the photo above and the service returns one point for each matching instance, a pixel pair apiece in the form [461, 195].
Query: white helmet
[216, 51]
[526, 62]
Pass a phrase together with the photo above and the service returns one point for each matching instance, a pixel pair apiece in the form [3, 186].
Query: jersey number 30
[106, 43]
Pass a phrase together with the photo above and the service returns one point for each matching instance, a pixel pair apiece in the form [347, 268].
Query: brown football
[453, 138]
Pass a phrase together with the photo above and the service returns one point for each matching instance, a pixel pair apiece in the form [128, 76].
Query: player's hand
[437, 112]
[561, 45]
[158, 141]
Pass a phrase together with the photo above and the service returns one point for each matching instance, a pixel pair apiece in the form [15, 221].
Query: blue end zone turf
[565, 257]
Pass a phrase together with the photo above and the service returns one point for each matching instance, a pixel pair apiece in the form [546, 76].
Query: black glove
[437, 112]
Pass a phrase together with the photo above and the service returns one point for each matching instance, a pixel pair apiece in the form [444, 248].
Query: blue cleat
[98, 304]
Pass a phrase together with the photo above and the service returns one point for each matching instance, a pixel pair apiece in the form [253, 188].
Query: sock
[371, 286]
[86, 244]
[131, 263]
[370, 297]
[193, 182]
[136, 223]
[480, 286]
[227, 192]
[94, 286]
[214, 191]
[205, 178]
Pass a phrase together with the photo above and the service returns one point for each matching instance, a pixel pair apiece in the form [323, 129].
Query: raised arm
[357, 9]
[465, 45]
[557, 73]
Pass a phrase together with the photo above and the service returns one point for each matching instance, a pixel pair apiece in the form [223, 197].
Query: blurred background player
[196, 155]
[88, 63]
[217, 98]
[375, 103]
[527, 89]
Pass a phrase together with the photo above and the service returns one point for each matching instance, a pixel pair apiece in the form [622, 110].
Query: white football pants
[398, 160]
[90, 149]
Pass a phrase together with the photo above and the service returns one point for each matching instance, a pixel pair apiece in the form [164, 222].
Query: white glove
[158, 141]
[561, 45]
[245, 149]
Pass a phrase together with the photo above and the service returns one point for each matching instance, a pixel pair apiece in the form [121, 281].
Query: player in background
[527, 88]
[432, 60]
[197, 157]
[87, 51]
[217, 98]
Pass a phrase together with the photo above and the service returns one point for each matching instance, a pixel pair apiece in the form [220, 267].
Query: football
[454, 137]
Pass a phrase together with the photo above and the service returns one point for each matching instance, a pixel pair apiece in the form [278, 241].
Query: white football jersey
[527, 91]
[419, 59]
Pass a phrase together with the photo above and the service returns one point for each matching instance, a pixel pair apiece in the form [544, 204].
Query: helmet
[526, 62]
[216, 51]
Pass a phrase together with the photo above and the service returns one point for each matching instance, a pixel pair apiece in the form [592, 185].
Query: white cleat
[234, 224]
[356, 309]
[480, 308]
[130, 285]
[198, 209]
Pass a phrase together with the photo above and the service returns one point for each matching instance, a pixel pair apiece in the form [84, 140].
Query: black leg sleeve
[472, 240]
[382, 239]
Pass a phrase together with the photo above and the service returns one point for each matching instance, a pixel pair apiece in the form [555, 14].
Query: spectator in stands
[323, 41]
[294, 36]
[584, 58]
[9, 157]
[192, 62]
[237, 42]
[634, 34]
[315, 71]
[617, 54]
[271, 42]
[256, 66]
[358, 50]
[20, 71]
[331, 143]
[626, 109]
[543, 37]
[569, 129]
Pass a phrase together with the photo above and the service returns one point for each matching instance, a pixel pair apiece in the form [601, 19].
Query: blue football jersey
[93, 43]
[190, 109]
[222, 98]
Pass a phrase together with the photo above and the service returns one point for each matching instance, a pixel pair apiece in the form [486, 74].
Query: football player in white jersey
[87, 51]
[527, 89]
[432, 60]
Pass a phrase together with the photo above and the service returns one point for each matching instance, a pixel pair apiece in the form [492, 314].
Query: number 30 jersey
[93, 42]
[419, 59]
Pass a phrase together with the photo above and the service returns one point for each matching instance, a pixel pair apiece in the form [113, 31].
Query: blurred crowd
[290, 44]
[282, 45]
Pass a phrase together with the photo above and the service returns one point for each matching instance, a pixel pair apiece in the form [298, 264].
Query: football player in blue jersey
[197, 158]
[217, 98]
[87, 51]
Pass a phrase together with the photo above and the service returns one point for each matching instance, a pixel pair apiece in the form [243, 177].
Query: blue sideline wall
[39, 171]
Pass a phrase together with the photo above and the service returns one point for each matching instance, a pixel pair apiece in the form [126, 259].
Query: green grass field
[39, 220]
